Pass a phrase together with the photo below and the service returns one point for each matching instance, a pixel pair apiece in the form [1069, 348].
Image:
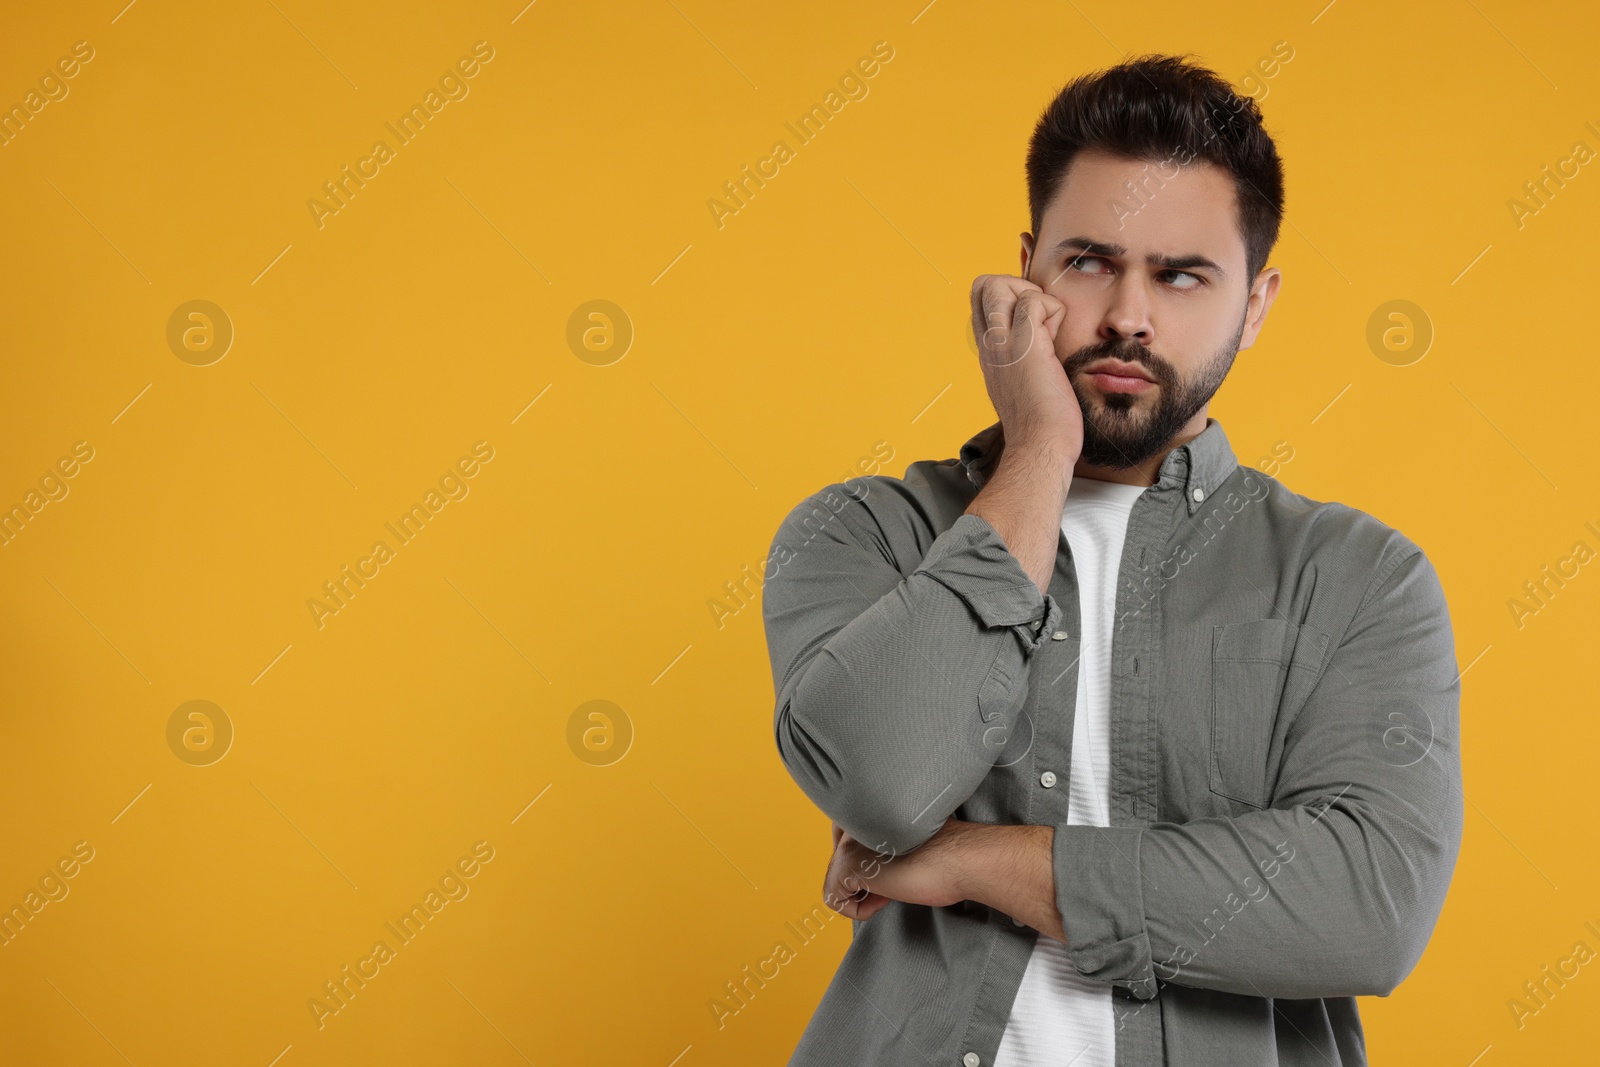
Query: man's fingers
[994, 298]
[844, 888]
[864, 908]
[1009, 316]
[1036, 308]
[870, 907]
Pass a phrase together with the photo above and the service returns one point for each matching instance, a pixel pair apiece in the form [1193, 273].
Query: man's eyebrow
[1102, 248]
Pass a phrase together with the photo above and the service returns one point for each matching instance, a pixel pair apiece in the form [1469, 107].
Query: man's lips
[1113, 376]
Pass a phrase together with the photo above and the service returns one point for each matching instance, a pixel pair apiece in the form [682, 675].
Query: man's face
[1152, 276]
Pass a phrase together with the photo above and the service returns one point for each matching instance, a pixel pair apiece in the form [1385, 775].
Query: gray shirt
[1286, 802]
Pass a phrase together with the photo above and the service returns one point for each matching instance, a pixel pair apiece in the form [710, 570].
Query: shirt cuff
[1100, 895]
[971, 560]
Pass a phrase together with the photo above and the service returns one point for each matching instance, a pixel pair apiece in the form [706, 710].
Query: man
[1134, 755]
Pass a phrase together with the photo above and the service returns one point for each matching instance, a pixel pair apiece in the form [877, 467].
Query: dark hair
[1162, 109]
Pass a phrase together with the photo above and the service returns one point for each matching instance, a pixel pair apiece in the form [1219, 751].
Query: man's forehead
[1145, 209]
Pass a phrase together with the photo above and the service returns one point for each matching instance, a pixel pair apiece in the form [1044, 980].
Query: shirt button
[1016, 922]
[1198, 494]
[1059, 635]
[1048, 779]
[970, 1060]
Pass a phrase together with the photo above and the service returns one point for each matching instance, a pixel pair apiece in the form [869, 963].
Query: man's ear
[1027, 252]
[1262, 294]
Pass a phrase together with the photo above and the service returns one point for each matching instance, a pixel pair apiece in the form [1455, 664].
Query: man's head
[1155, 197]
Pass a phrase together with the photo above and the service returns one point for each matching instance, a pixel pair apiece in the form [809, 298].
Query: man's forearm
[1011, 869]
[1023, 501]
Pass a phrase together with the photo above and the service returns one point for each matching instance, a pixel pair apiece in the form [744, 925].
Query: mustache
[1125, 349]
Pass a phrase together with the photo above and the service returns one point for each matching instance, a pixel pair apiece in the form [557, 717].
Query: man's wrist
[1008, 868]
[980, 858]
[1036, 462]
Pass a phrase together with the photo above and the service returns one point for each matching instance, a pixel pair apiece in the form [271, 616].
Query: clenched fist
[1015, 323]
[860, 881]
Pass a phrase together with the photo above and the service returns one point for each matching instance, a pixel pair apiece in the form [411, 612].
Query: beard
[1123, 429]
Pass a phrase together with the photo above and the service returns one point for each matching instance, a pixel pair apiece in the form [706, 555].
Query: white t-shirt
[1059, 1017]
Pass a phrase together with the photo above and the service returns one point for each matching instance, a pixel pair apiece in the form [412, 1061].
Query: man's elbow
[861, 797]
[1375, 965]
[885, 819]
[882, 794]
[889, 825]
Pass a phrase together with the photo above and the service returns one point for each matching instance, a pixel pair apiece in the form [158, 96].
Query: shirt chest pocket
[1258, 669]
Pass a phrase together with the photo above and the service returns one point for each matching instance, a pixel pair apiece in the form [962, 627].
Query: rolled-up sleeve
[897, 680]
[1335, 888]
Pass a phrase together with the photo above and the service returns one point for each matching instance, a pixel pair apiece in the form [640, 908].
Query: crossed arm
[1009, 868]
[889, 687]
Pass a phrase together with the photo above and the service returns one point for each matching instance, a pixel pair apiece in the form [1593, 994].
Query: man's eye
[1095, 265]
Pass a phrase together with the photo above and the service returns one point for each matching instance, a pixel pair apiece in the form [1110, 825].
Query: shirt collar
[1197, 467]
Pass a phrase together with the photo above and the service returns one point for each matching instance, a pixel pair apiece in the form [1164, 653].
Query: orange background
[768, 356]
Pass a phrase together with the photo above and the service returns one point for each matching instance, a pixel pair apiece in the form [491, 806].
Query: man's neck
[1146, 472]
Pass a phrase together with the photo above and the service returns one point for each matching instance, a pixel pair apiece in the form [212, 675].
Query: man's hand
[860, 881]
[1008, 868]
[1015, 323]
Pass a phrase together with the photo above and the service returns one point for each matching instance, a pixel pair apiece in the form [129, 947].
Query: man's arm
[1023, 500]
[896, 693]
[1332, 892]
